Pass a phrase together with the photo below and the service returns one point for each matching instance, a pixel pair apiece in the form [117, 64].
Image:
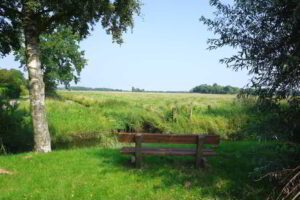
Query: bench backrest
[168, 138]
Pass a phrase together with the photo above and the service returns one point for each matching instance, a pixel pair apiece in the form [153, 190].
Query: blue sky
[165, 51]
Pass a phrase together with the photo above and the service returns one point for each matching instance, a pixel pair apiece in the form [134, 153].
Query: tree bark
[42, 140]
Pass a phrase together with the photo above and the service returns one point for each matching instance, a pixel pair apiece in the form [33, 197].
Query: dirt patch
[28, 157]
[187, 184]
[4, 171]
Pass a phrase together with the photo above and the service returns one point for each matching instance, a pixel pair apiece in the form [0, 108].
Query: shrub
[15, 125]
[12, 83]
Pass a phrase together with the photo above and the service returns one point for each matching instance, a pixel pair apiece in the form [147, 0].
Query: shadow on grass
[226, 177]
[16, 133]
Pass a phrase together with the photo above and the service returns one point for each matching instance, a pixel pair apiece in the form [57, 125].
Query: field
[95, 116]
[97, 170]
[167, 113]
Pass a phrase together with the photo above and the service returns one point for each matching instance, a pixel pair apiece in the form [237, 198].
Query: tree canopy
[61, 58]
[215, 89]
[267, 37]
[30, 20]
[47, 15]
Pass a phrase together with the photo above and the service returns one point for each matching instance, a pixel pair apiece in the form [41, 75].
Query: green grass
[102, 173]
[91, 118]
[100, 113]
[168, 113]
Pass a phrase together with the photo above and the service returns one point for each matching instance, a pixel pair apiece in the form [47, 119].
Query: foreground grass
[99, 173]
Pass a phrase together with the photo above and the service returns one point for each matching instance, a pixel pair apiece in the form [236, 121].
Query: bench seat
[168, 151]
[200, 151]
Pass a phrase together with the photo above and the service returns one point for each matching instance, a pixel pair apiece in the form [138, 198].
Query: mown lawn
[102, 173]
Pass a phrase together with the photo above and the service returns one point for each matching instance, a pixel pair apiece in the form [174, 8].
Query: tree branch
[8, 9]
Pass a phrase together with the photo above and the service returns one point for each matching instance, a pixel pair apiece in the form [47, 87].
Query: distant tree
[28, 20]
[80, 88]
[215, 89]
[267, 36]
[61, 58]
[133, 89]
[12, 82]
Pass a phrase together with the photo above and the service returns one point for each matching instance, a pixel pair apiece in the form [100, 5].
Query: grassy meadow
[92, 118]
[98, 171]
[92, 114]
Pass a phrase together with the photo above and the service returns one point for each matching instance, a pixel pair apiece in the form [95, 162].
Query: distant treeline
[204, 88]
[215, 89]
[81, 88]
[133, 89]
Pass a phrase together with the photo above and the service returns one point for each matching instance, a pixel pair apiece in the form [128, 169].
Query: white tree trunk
[42, 140]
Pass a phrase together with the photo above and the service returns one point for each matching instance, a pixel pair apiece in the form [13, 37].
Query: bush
[16, 131]
[12, 83]
[15, 124]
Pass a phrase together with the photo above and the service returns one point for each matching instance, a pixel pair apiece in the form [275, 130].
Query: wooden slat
[168, 138]
[167, 151]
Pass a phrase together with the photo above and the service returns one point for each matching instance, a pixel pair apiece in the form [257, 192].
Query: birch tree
[27, 20]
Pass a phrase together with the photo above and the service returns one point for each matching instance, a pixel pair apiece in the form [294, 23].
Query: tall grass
[102, 113]
[136, 112]
[94, 116]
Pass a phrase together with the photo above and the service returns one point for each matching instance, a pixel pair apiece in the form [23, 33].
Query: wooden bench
[199, 140]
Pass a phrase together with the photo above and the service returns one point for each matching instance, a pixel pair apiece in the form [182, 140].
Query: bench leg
[138, 161]
[199, 161]
[138, 152]
[132, 159]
